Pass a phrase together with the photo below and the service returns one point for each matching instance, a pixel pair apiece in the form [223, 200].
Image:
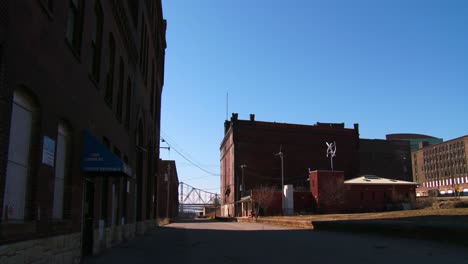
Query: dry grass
[439, 213]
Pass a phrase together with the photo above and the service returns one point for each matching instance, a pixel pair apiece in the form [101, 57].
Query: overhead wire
[189, 160]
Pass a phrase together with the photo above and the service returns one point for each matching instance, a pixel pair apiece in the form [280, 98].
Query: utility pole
[280, 154]
[181, 205]
[168, 179]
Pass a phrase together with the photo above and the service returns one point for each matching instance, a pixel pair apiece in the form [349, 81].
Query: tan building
[441, 169]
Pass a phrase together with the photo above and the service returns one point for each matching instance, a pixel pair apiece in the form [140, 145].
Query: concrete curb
[225, 219]
[282, 222]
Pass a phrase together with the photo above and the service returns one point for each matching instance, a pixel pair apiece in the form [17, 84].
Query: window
[152, 89]
[110, 73]
[75, 24]
[106, 142]
[48, 4]
[19, 152]
[104, 198]
[61, 158]
[362, 196]
[144, 50]
[96, 42]
[133, 6]
[128, 105]
[117, 152]
[120, 91]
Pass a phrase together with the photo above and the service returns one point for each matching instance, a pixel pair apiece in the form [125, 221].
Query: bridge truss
[193, 200]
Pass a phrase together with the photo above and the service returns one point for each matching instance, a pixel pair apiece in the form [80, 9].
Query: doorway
[88, 213]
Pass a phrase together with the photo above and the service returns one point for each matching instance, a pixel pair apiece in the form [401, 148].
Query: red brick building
[255, 144]
[330, 193]
[168, 190]
[372, 193]
[80, 96]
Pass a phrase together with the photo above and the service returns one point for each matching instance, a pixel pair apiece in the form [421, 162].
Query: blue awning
[96, 157]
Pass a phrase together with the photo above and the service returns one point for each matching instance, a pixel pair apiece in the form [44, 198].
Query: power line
[187, 159]
[180, 148]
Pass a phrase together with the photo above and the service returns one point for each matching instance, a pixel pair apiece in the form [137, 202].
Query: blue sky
[392, 66]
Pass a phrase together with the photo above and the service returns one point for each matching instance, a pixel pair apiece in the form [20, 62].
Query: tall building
[80, 98]
[415, 139]
[386, 158]
[250, 156]
[442, 169]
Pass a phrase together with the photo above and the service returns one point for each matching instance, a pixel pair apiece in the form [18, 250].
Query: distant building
[441, 169]
[415, 140]
[80, 98]
[385, 158]
[256, 145]
[167, 190]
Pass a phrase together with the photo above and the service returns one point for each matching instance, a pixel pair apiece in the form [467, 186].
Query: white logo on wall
[48, 151]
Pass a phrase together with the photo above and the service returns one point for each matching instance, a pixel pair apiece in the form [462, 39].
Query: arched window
[61, 160]
[19, 152]
[120, 90]
[75, 24]
[110, 73]
[96, 42]
[128, 105]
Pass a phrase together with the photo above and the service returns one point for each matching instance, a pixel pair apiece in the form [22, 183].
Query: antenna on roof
[227, 104]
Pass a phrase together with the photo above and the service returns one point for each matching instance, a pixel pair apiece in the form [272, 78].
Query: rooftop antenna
[227, 104]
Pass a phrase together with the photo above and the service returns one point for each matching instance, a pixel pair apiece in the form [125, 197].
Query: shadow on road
[187, 242]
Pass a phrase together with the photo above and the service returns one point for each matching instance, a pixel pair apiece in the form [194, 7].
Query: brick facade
[39, 59]
[442, 168]
[167, 167]
[255, 144]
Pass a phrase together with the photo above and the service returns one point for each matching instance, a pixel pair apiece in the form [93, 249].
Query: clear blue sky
[392, 66]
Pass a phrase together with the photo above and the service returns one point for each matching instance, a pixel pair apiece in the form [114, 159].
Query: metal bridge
[193, 200]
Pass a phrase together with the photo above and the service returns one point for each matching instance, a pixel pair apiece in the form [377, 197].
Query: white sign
[48, 151]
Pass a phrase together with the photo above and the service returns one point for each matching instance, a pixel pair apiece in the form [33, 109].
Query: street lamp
[168, 180]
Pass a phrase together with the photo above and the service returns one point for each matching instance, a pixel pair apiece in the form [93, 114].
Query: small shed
[373, 193]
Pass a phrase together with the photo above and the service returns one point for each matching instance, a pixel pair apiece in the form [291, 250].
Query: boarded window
[62, 153]
[19, 152]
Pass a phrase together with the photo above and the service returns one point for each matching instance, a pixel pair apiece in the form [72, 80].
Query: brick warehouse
[255, 144]
[80, 98]
[167, 186]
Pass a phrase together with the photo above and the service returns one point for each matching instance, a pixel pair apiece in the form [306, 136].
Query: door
[88, 213]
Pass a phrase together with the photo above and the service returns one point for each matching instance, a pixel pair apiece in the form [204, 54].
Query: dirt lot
[439, 213]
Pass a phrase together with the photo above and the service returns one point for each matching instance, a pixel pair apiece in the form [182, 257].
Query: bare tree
[262, 198]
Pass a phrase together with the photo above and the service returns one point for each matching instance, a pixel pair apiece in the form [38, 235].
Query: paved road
[220, 242]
